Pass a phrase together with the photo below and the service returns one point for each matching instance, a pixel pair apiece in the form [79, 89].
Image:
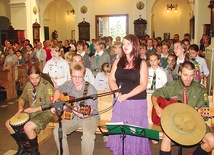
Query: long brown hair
[134, 53]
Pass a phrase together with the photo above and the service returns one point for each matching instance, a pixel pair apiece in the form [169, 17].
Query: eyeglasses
[77, 77]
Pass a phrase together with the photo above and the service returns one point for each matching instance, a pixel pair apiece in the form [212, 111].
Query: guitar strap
[85, 91]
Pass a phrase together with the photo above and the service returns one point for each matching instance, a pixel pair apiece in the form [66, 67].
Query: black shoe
[34, 152]
[21, 151]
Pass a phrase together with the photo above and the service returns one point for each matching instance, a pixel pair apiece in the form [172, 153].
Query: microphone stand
[59, 109]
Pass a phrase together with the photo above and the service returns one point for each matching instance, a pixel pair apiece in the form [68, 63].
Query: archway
[171, 22]
[55, 17]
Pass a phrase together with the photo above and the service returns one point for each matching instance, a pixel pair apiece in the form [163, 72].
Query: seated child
[157, 76]
[101, 80]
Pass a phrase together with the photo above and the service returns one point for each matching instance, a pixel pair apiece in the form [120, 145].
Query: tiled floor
[8, 145]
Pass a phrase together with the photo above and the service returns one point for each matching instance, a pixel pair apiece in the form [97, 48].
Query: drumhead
[22, 118]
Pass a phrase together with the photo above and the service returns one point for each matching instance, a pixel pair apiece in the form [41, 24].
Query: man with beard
[37, 92]
[196, 97]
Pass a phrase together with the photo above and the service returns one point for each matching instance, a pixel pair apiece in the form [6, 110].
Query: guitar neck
[206, 112]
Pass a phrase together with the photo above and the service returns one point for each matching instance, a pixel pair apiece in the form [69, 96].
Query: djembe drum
[17, 123]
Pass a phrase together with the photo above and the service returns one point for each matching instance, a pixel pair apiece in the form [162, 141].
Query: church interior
[41, 20]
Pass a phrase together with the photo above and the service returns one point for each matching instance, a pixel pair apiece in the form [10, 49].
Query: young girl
[157, 76]
[171, 62]
[101, 80]
[30, 56]
[11, 61]
[99, 57]
[81, 51]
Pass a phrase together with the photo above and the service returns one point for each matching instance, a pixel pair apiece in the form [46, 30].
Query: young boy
[157, 75]
[201, 69]
[164, 54]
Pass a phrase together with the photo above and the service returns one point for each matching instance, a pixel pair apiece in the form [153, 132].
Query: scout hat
[183, 124]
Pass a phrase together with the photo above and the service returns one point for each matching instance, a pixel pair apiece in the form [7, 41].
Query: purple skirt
[132, 112]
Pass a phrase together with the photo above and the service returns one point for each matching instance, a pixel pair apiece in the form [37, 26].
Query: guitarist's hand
[52, 110]
[158, 110]
[79, 114]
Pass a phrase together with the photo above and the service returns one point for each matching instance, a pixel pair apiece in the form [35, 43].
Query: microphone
[118, 91]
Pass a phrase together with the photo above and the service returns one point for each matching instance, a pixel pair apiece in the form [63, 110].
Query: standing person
[66, 47]
[150, 48]
[91, 47]
[57, 68]
[196, 97]
[37, 92]
[199, 62]
[11, 61]
[181, 56]
[80, 46]
[143, 52]
[21, 59]
[204, 45]
[78, 87]
[165, 52]
[30, 56]
[131, 106]
[99, 57]
[41, 54]
[47, 48]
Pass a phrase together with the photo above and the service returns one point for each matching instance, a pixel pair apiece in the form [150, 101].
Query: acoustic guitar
[162, 102]
[84, 109]
[206, 112]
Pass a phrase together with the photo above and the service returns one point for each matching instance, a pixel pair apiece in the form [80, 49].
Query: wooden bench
[7, 81]
[22, 75]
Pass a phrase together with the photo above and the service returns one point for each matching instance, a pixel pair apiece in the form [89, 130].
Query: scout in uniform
[37, 92]
[57, 68]
[190, 92]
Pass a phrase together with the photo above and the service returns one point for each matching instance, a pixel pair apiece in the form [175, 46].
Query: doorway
[111, 25]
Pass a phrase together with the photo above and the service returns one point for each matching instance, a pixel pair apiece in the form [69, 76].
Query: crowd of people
[79, 69]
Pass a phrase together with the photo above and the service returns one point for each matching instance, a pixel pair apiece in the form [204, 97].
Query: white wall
[22, 16]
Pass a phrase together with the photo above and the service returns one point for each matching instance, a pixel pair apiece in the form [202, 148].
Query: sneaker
[21, 151]
[34, 152]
